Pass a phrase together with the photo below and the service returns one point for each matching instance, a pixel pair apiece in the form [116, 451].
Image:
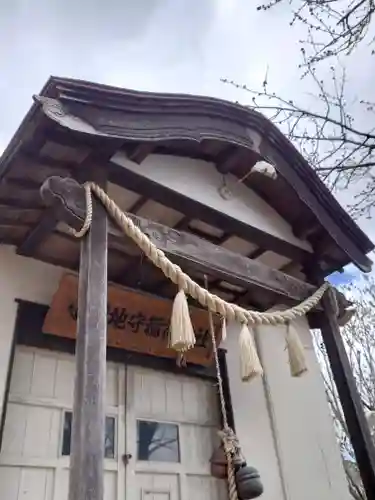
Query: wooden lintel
[68, 199]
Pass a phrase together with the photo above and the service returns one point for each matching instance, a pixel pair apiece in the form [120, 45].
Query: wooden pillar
[87, 447]
[350, 399]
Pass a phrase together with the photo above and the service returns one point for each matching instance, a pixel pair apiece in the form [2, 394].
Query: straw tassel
[223, 329]
[296, 352]
[249, 359]
[182, 336]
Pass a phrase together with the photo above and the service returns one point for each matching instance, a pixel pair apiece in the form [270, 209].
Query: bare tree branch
[331, 131]
[325, 132]
[334, 27]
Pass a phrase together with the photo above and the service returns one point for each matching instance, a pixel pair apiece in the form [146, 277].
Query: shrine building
[223, 193]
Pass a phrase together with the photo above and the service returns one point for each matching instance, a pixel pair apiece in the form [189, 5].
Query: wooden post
[350, 399]
[87, 447]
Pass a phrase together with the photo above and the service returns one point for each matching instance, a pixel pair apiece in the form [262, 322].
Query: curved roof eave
[181, 116]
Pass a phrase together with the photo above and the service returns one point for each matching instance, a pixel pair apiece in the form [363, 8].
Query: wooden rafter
[255, 254]
[228, 159]
[48, 221]
[138, 152]
[195, 210]
[187, 124]
[138, 205]
[37, 234]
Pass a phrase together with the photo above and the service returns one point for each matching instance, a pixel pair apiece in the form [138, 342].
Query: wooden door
[171, 430]
[34, 459]
[167, 423]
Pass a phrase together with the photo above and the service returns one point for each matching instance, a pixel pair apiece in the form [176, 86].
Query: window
[109, 443]
[157, 442]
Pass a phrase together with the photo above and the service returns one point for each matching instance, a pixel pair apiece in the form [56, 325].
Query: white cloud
[160, 45]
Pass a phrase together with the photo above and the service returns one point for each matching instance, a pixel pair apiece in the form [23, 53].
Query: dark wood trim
[30, 319]
[151, 117]
[256, 253]
[191, 252]
[5, 222]
[8, 381]
[137, 205]
[183, 224]
[306, 229]
[252, 255]
[20, 183]
[229, 158]
[86, 475]
[13, 202]
[216, 240]
[48, 221]
[349, 396]
[195, 210]
[226, 389]
[138, 152]
[38, 233]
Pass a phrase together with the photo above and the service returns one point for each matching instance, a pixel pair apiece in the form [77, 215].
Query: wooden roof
[73, 124]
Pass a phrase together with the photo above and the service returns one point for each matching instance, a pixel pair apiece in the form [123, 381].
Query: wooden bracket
[67, 197]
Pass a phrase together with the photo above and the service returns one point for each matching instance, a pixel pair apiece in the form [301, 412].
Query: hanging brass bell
[248, 483]
[218, 463]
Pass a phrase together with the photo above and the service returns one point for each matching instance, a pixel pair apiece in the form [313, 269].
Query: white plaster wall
[20, 278]
[252, 421]
[287, 435]
[199, 180]
[284, 423]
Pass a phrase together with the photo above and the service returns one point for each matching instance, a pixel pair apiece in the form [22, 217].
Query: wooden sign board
[136, 322]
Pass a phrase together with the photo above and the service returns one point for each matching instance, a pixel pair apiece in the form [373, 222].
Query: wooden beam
[196, 210]
[38, 233]
[184, 225]
[13, 214]
[217, 240]
[252, 255]
[139, 152]
[20, 183]
[138, 204]
[48, 221]
[305, 229]
[350, 399]
[87, 455]
[229, 158]
[255, 254]
[68, 198]
[13, 202]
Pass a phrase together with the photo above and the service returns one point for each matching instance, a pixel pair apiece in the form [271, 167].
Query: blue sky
[350, 275]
